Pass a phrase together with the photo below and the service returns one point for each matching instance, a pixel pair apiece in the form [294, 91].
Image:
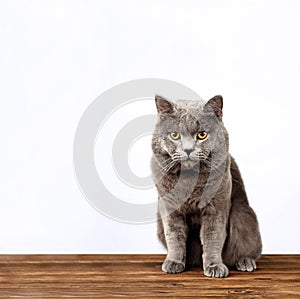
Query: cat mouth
[189, 163]
[192, 163]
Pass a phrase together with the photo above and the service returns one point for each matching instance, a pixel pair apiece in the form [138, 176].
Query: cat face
[188, 132]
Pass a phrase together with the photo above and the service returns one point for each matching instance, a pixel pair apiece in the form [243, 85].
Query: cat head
[188, 132]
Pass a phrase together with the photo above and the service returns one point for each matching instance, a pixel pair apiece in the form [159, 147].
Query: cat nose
[188, 151]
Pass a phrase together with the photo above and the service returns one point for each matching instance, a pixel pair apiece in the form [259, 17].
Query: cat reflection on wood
[204, 217]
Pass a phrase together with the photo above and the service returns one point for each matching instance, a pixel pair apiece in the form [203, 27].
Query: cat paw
[172, 267]
[246, 264]
[216, 271]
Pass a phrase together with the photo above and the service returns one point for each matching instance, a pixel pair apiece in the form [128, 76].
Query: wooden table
[140, 276]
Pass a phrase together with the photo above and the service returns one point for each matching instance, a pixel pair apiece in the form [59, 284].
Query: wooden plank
[140, 276]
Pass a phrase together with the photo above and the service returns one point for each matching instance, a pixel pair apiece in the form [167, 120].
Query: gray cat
[204, 218]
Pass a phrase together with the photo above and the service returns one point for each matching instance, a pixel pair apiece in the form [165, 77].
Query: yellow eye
[175, 135]
[202, 135]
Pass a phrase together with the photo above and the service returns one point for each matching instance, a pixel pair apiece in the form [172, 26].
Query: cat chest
[185, 194]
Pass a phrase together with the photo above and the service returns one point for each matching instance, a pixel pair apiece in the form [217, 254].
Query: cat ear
[163, 105]
[215, 105]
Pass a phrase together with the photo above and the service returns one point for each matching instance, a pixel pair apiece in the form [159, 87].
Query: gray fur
[218, 231]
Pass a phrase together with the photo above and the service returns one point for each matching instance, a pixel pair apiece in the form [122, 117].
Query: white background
[56, 57]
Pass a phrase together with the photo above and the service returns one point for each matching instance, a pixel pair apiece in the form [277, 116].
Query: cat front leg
[175, 230]
[213, 235]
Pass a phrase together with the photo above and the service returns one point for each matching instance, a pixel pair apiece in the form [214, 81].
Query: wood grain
[140, 276]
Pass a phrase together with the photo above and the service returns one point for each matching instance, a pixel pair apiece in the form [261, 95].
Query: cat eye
[174, 135]
[202, 135]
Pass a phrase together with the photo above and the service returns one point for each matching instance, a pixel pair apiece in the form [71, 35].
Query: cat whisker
[164, 162]
[167, 167]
